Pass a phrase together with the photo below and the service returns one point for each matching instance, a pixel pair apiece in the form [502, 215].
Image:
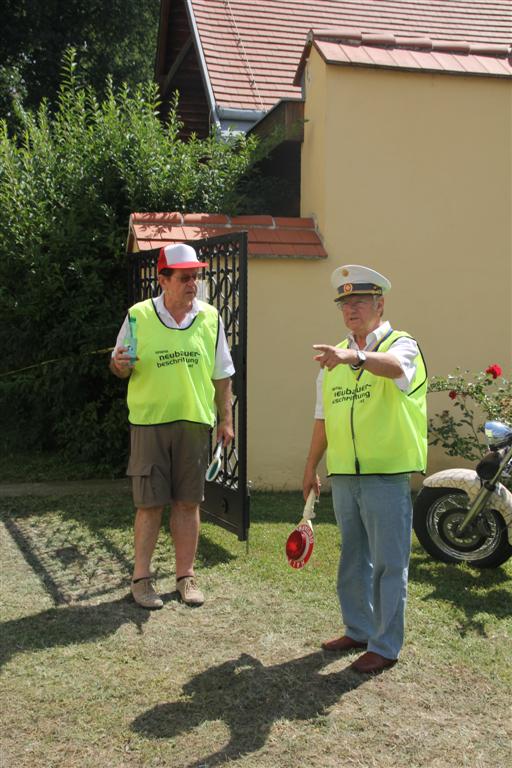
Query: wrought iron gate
[227, 498]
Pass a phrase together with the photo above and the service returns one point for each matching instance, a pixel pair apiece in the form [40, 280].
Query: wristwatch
[362, 360]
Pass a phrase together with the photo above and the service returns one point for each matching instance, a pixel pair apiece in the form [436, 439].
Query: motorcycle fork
[488, 486]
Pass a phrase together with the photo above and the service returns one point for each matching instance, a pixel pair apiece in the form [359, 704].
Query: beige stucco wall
[286, 317]
[411, 174]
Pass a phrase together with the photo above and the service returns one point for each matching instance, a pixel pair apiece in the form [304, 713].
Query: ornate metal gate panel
[227, 498]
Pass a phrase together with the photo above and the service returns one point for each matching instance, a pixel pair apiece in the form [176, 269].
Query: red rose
[452, 394]
[494, 370]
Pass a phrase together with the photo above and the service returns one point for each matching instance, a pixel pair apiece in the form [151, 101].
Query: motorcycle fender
[467, 480]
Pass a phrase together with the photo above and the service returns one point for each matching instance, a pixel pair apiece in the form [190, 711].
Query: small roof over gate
[268, 236]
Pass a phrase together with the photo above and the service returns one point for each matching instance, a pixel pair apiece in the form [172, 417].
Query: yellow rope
[54, 360]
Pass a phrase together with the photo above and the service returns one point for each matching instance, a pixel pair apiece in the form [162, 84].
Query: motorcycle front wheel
[438, 514]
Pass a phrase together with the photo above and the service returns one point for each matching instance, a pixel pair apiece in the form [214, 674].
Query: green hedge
[68, 181]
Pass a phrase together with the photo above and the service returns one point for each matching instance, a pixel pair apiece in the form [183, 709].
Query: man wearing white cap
[370, 420]
[178, 381]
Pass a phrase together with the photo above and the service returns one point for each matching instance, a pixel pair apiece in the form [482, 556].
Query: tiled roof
[269, 237]
[252, 47]
[409, 53]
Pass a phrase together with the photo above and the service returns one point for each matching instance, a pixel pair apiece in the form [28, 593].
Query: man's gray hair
[375, 300]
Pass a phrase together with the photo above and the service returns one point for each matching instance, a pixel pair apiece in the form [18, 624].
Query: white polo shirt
[405, 350]
[223, 367]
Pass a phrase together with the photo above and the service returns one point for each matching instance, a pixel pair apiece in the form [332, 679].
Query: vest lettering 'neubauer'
[373, 427]
[172, 380]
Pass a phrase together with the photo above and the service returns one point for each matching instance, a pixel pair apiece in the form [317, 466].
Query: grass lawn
[90, 680]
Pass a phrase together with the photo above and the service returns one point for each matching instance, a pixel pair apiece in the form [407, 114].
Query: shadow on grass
[249, 697]
[59, 627]
[472, 590]
[50, 564]
[209, 553]
[59, 568]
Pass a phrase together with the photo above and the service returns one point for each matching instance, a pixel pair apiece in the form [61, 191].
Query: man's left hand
[225, 432]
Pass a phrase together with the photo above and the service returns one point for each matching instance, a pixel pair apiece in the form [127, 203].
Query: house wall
[289, 311]
[410, 174]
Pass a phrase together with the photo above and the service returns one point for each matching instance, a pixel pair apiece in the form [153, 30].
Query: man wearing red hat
[178, 379]
[370, 420]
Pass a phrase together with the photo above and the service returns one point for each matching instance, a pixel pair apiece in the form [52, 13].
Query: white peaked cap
[355, 279]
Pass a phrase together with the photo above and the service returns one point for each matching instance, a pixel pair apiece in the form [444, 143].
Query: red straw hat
[179, 256]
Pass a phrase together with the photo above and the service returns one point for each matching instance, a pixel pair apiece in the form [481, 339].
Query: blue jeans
[374, 513]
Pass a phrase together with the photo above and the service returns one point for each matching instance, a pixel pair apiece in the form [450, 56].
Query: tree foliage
[69, 179]
[117, 37]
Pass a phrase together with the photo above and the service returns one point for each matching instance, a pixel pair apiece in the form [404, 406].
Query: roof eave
[202, 65]
[298, 80]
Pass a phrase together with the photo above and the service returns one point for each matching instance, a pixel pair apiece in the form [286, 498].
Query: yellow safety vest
[373, 427]
[172, 380]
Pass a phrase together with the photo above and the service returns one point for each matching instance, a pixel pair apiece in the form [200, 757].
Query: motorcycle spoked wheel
[438, 512]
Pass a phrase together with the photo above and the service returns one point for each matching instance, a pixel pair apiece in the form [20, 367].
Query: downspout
[202, 64]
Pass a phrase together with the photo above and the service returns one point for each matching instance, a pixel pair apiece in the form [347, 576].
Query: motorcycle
[465, 515]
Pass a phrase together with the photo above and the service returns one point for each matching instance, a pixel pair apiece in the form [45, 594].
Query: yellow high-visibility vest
[373, 427]
[172, 380]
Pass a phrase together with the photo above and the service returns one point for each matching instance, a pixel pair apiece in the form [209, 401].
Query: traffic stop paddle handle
[216, 463]
[309, 512]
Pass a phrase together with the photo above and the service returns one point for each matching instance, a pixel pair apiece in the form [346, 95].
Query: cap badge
[344, 272]
[347, 288]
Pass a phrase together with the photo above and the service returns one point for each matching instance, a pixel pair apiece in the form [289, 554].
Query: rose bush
[476, 398]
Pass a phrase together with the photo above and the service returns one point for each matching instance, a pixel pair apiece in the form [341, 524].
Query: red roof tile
[267, 236]
[252, 49]
[284, 221]
[200, 218]
[256, 221]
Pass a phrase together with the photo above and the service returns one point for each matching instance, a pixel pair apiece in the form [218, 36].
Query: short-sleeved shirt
[404, 349]
[223, 367]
